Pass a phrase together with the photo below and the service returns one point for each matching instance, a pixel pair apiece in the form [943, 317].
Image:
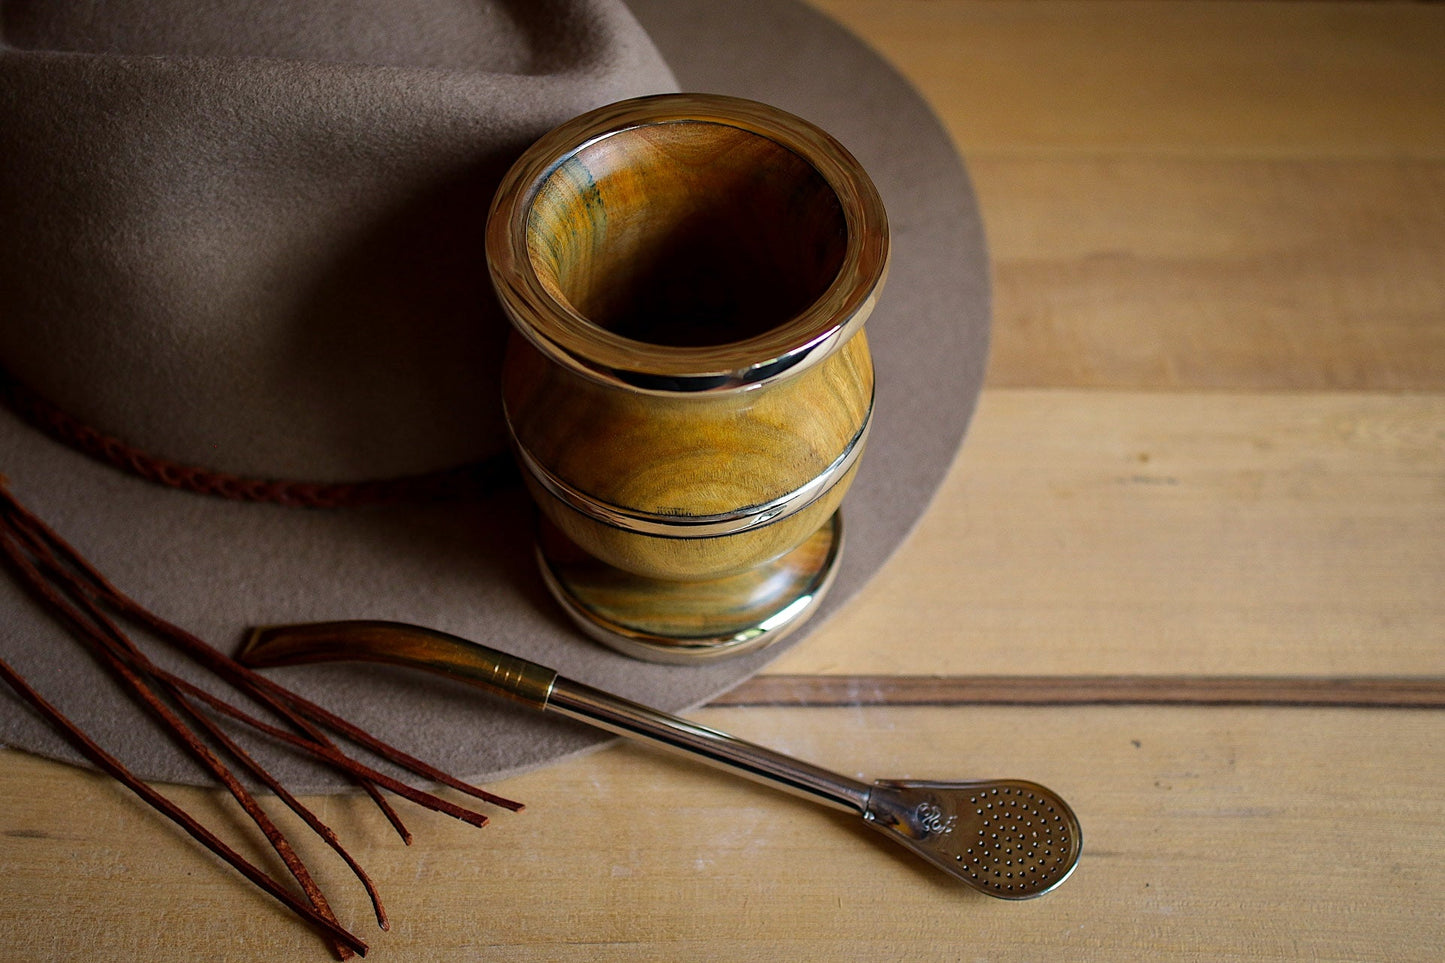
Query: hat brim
[218, 567]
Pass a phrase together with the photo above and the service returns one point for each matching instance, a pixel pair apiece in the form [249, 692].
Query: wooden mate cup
[688, 387]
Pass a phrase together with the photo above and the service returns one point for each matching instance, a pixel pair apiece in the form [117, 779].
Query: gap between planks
[884, 690]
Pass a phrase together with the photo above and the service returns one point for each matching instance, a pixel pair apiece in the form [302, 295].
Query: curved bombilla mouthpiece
[409, 646]
[1007, 838]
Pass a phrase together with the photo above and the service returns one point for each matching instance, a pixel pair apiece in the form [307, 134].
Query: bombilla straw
[1009, 838]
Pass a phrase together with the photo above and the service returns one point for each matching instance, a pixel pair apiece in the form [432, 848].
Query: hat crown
[512, 36]
[249, 236]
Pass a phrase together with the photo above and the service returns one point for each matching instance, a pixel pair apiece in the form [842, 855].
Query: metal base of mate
[686, 622]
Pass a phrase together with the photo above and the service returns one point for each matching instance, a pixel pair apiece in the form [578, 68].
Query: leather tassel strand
[92, 608]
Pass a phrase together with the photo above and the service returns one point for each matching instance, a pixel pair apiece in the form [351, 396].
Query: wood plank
[1124, 533]
[1224, 79]
[1210, 833]
[933, 690]
[1161, 273]
[1196, 194]
[1173, 191]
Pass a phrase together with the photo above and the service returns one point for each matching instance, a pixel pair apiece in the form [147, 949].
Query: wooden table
[1202, 500]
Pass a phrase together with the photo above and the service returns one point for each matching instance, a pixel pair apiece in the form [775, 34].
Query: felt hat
[242, 255]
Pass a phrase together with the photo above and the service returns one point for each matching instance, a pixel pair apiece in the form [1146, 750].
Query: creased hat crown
[248, 236]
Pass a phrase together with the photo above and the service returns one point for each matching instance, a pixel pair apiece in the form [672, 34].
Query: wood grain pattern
[689, 456]
[1191, 81]
[1196, 195]
[686, 234]
[1121, 271]
[1168, 533]
[1029, 690]
[683, 621]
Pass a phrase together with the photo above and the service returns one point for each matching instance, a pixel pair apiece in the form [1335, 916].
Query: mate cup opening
[688, 234]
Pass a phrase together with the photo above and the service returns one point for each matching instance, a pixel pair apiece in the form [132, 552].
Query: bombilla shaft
[718, 749]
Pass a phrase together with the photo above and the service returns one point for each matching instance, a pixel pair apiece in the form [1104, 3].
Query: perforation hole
[1021, 841]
